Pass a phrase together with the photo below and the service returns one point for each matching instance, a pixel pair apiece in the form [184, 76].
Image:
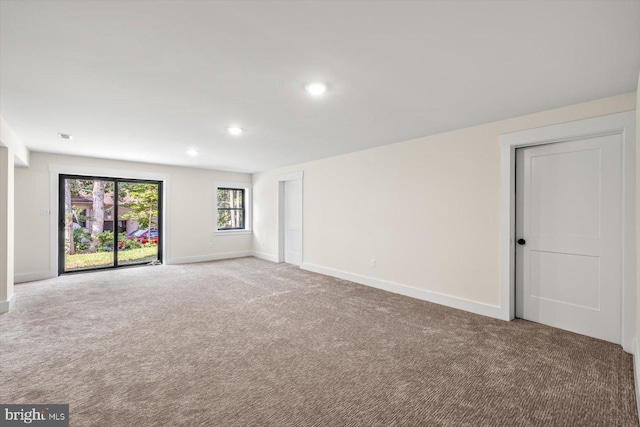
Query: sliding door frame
[116, 181]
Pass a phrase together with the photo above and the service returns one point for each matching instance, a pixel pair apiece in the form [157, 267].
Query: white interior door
[569, 232]
[293, 221]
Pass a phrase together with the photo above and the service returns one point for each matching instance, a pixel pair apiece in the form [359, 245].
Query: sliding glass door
[138, 219]
[88, 205]
[108, 223]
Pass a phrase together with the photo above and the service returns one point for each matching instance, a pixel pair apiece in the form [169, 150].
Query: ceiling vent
[65, 135]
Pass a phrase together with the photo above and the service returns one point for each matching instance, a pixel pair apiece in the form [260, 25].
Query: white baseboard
[32, 277]
[212, 257]
[5, 306]
[423, 294]
[264, 256]
[636, 372]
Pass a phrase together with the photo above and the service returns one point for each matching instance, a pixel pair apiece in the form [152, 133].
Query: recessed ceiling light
[192, 152]
[316, 88]
[234, 130]
[65, 135]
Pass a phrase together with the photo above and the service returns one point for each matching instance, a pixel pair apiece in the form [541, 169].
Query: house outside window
[81, 218]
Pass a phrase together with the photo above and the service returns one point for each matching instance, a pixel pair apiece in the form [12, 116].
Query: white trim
[32, 277]
[422, 294]
[621, 123]
[212, 257]
[266, 257]
[293, 176]
[54, 173]
[5, 306]
[248, 221]
[280, 222]
[636, 372]
[231, 232]
[107, 172]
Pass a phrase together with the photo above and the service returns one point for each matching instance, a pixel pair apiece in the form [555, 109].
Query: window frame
[243, 208]
[247, 204]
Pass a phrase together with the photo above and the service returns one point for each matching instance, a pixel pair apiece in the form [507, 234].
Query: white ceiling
[148, 80]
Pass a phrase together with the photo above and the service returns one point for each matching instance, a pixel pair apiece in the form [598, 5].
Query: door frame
[615, 124]
[116, 181]
[294, 176]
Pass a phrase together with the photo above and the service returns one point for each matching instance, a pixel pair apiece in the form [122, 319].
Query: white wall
[638, 210]
[6, 228]
[12, 152]
[636, 349]
[189, 224]
[426, 210]
[9, 139]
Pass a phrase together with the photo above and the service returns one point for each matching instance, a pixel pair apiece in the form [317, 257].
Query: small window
[231, 209]
[81, 217]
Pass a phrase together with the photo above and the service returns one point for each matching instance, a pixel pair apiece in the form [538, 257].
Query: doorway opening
[108, 222]
[290, 193]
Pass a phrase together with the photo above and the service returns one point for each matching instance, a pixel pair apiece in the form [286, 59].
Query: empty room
[319, 213]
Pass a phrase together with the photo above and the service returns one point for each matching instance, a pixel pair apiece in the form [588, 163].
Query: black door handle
[522, 241]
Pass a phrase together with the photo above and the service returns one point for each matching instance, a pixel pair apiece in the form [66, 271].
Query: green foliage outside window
[142, 201]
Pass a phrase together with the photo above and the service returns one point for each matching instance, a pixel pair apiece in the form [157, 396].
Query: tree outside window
[231, 209]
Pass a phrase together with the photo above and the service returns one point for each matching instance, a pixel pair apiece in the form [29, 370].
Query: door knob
[522, 241]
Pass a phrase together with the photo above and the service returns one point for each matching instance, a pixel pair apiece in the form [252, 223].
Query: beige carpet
[247, 342]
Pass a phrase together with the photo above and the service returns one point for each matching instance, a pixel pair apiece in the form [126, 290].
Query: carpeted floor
[247, 342]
